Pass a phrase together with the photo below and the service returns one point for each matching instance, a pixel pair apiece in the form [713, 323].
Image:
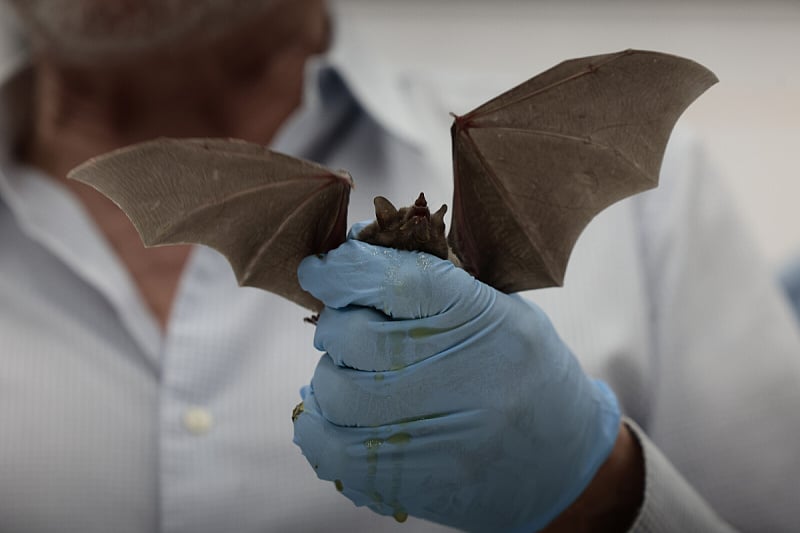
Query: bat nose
[420, 213]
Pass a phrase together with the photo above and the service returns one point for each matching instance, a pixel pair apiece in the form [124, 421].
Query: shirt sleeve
[670, 503]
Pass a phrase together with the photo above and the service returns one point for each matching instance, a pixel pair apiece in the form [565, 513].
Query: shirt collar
[378, 88]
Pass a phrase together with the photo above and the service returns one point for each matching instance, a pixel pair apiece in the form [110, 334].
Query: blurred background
[749, 122]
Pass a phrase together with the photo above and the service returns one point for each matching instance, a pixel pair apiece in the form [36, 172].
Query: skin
[612, 500]
[215, 77]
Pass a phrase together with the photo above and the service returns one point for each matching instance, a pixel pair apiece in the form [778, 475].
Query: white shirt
[108, 425]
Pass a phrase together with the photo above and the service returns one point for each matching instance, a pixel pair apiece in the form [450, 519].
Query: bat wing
[263, 210]
[534, 165]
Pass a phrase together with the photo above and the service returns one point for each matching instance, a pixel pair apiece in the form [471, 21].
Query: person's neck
[244, 86]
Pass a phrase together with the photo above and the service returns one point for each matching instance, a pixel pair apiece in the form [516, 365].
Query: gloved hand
[442, 398]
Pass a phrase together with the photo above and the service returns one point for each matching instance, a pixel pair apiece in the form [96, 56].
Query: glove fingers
[365, 339]
[399, 283]
[349, 398]
[329, 449]
[346, 456]
[431, 468]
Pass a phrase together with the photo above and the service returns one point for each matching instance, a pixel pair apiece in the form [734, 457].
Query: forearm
[612, 500]
[638, 490]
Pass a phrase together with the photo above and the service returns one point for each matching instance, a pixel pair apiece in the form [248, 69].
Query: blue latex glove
[442, 398]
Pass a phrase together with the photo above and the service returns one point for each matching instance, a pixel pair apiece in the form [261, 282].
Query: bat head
[407, 228]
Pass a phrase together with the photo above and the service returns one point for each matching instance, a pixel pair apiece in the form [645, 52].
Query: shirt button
[197, 420]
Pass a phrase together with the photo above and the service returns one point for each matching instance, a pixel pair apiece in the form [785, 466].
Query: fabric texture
[670, 503]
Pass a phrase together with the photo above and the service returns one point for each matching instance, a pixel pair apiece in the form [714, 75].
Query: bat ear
[437, 219]
[438, 216]
[385, 212]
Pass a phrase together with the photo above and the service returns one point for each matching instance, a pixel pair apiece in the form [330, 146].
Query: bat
[532, 167]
